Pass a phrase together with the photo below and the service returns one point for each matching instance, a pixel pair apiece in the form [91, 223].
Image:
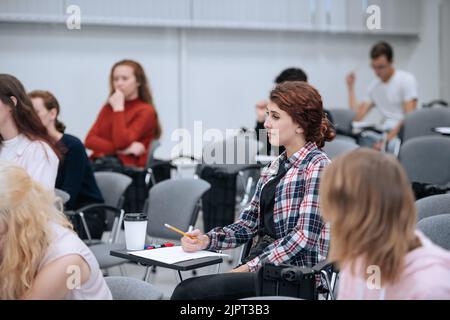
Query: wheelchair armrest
[323, 265]
[251, 167]
[81, 212]
[117, 211]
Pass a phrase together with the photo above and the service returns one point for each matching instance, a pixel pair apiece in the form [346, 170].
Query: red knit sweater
[114, 131]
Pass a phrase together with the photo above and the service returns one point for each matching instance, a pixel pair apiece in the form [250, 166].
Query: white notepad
[175, 254]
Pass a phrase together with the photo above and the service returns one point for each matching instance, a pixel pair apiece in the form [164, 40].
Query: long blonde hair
[26, 208]
[367, 198]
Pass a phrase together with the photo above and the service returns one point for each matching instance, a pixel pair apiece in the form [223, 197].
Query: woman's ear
[299, 130]
[53, 113]
[14, 100]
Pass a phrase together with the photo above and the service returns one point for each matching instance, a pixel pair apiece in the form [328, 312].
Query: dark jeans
[225, 286]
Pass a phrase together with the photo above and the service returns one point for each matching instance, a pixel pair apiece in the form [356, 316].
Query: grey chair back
[174, 202]
[437, 229]
[236, 150]
[337, 146]
[151, 152]
[112, 185]
[125, 288]
[422, 121]
[432, 205]
[426, 159]
[342, 119]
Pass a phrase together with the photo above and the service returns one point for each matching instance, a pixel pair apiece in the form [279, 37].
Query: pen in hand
[179, 231]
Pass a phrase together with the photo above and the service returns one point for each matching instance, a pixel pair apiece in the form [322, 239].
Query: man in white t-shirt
[393, 93]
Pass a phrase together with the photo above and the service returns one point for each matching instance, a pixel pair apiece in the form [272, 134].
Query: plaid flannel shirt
[302, 238]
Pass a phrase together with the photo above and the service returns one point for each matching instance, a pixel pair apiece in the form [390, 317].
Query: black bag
[95, 220]
[219, 202]
[107, 163]
[423, 190]
[287, 280]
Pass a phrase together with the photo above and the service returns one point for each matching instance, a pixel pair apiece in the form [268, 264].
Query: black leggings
[225, 286]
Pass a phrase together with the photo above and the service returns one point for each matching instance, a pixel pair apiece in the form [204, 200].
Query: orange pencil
[179, 231]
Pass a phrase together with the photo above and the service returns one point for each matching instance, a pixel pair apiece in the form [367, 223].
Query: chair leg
[147, 274]
[123, 271]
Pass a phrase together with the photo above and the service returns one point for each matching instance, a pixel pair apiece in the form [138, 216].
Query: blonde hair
[366, 197]
[26, 208]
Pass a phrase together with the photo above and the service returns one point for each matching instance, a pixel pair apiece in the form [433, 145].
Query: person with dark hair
[128, 123]
[394, 93]
[23, 138]
[75, 175]
[283, 220]
[289, 74]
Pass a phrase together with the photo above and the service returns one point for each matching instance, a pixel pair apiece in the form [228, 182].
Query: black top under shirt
[75, 175]
[266, 228]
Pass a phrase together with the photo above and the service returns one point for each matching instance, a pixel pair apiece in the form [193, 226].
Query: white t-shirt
[36, 157]
[389, 96]
[65, 242]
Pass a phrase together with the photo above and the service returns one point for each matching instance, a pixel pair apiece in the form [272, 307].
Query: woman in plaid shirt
[283, 219]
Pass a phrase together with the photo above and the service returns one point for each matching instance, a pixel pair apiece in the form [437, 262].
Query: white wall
[196, 74]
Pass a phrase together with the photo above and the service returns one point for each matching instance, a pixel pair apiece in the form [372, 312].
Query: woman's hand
[350, 79]
[242, 268]
[117, 101]
[136, 148]
[200, 242]
[261, 108]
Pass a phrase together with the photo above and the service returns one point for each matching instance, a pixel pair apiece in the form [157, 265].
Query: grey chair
[175, 202]
[432, 205]
[337, 147]
[236, 155]
[112, 186]
[342, 119]
[125, 288]
[437, 229]
[421, 122]
[426, 159]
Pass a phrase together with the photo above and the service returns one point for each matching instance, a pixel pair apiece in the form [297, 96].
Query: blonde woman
[40, 256]
[366, 197]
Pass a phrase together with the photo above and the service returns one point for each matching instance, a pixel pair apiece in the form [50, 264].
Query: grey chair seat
[421, 122]
[124, 288]
[105, 260]
[437, 229]
[432, 205]
[339, 146]
[425, 159]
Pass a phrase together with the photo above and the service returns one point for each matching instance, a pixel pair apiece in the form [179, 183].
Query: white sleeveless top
[65, 243]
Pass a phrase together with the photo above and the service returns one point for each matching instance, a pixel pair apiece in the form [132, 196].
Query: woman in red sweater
[128, 123]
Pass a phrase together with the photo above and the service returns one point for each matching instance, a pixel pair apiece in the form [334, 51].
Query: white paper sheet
[443, 130]
[174, 254]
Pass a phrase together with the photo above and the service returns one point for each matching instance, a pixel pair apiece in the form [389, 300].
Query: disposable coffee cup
[135, 230]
